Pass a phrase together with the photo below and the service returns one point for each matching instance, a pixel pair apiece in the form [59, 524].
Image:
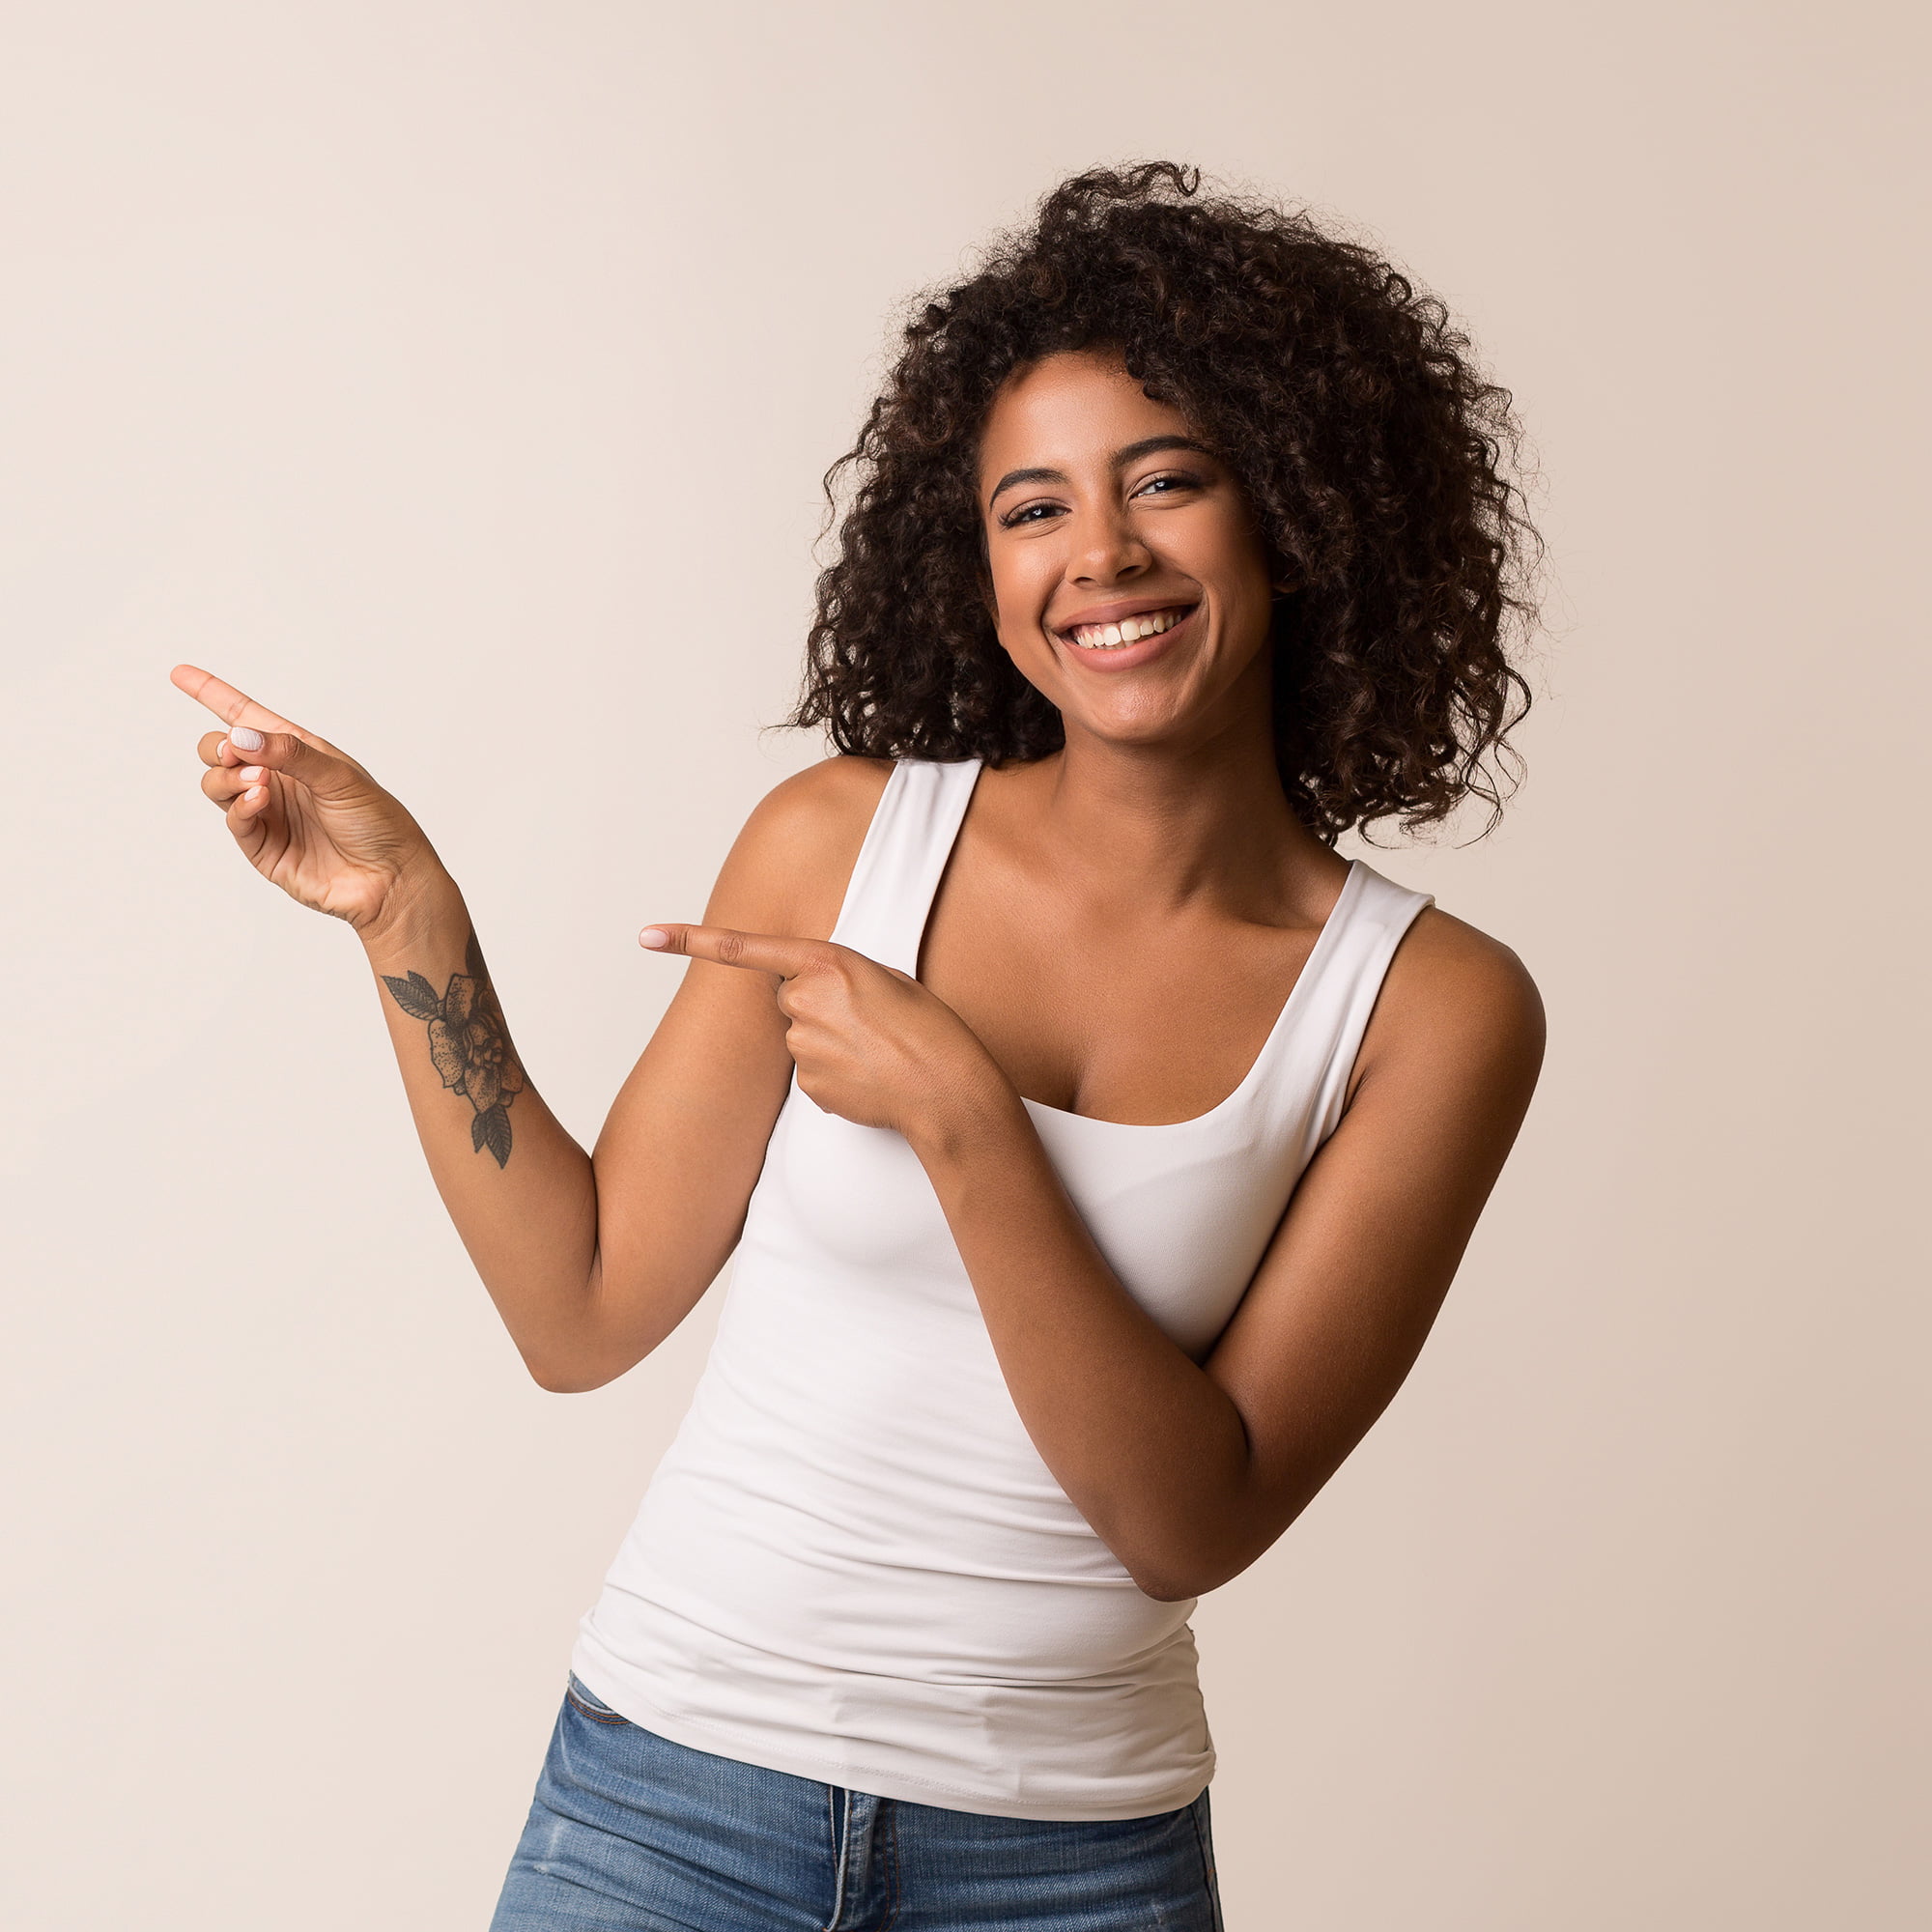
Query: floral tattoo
[470, 1045]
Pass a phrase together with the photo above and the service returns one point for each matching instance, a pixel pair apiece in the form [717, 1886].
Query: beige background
[457, 378]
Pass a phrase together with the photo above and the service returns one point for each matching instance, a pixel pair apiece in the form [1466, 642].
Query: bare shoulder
[788, 869]
[1457, 1002]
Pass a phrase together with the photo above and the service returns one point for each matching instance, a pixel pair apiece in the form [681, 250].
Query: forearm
[1151, 1449]
[518, 1189]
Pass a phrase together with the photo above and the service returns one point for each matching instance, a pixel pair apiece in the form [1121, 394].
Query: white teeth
[1130, 631]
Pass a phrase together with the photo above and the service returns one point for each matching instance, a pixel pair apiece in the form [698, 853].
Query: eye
[1167, 482]
[1027, 513]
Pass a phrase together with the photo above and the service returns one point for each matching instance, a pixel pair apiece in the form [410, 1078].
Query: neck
[1172, 823]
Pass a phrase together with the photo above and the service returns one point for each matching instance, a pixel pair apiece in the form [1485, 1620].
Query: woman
[1096, 1145]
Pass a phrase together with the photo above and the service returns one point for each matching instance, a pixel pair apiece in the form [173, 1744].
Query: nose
[1106, 548]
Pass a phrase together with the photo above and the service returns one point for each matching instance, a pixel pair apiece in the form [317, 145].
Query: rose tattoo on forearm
[470, 1045]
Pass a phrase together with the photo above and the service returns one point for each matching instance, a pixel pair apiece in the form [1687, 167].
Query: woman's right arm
[593, 1259]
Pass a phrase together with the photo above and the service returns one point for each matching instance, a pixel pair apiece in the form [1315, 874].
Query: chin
[1133, 734]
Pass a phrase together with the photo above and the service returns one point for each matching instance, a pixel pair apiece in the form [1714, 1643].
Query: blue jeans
[631, 1833]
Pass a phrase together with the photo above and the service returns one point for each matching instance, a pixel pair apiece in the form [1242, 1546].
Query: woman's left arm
[1189, 1471]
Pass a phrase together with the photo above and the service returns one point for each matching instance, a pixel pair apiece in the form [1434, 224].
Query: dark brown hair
[1375, 454]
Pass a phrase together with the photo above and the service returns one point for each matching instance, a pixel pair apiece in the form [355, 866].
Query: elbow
[1179, 1575]
[1166, 1591]
[589, 1343]
[1181, 1583]
[1178, 1578]
[557, 1376]
[572, 1357]
[559, 1380]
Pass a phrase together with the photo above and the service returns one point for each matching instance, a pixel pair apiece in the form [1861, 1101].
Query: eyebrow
[1148, 445]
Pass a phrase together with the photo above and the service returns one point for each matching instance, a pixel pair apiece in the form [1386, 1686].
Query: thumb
[325, 774]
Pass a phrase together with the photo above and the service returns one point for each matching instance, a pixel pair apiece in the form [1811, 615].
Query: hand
[870, 1044]
[306, 816]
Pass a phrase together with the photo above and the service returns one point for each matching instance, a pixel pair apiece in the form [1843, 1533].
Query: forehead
[1068, 410]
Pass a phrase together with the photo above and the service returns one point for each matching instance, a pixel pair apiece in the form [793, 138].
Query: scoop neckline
[1325, 943]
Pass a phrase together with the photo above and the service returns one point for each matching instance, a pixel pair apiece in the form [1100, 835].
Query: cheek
[1022, 581]
[1235, 566]
[1218, 542]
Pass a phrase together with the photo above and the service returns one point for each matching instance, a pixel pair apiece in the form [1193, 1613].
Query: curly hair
[1376, 456]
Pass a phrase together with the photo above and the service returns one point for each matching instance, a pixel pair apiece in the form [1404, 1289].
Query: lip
[1124, 657]
[1122, 609]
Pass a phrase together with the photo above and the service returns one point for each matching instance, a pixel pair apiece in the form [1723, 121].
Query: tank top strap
[1302, 1075]
[898, 867]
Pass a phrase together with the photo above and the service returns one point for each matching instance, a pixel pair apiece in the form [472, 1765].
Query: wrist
[421, 913]
[981, 1110]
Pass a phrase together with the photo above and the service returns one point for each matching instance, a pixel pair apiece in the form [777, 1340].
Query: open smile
[1118, 633]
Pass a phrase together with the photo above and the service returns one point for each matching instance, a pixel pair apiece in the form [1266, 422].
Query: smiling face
[1130, 584]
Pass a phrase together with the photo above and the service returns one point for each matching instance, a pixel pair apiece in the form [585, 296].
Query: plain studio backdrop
[457, 378]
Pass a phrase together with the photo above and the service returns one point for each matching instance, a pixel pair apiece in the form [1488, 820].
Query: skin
[1118, 928]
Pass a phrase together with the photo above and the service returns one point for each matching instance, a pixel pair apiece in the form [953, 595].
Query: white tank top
[852, 1564]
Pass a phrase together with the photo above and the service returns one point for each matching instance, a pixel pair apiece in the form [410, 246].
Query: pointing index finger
[759, 952]
[231, 706]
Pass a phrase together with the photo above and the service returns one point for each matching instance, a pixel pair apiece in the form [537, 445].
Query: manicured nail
[249, 772]
[255, 791]
[246, 740]
[654, 935]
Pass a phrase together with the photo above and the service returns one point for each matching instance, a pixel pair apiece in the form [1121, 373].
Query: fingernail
[246, 740]
[249, 772]
[256, 791]
[654, 935]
